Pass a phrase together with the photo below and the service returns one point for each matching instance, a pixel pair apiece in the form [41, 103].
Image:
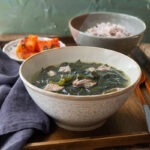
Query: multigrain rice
[108, 30]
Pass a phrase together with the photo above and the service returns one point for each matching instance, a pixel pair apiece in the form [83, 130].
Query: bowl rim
[76, 97]
[108, 13]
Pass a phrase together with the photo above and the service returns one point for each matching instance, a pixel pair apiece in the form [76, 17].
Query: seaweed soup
[81, 78]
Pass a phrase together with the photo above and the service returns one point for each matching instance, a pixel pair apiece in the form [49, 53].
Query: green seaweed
[107, 80]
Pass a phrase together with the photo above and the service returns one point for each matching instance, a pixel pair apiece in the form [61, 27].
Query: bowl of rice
[120, 32]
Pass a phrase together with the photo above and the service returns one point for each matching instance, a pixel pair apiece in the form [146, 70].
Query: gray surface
[147, 115]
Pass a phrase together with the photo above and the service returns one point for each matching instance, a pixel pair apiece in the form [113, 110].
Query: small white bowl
[79, 113]
[10, 48]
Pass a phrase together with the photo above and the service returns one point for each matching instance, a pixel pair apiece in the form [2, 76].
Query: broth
[81, 78]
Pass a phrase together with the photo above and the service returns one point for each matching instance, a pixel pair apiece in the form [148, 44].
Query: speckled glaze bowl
[79, 113]
[79, 24]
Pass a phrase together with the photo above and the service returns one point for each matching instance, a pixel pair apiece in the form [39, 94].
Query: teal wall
[51, 16]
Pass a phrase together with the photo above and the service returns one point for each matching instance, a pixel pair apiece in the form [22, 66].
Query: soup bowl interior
[79, 113]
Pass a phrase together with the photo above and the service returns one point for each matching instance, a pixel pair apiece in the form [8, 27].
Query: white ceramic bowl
[79, 24]
[79, 113]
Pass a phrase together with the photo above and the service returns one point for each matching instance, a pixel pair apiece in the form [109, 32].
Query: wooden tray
[126, 127]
